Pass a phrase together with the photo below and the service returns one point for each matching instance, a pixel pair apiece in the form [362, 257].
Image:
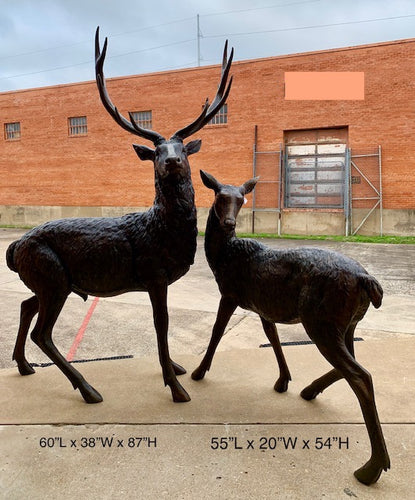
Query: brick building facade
[319, 160]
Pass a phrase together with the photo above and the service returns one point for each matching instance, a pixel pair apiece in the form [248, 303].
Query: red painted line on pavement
[81, 331]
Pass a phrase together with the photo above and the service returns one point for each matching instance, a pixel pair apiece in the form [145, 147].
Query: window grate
[221, 118]
[77, 125]
[12, 131]
[143, 119]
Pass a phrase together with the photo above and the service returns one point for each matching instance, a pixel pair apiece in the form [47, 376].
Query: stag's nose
[172, 161]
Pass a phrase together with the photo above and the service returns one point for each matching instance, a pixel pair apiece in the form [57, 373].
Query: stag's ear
[193, 147]
[209, 181]
[248, 186]
[144, 152]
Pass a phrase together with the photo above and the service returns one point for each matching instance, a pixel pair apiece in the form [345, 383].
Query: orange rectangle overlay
[324, 85]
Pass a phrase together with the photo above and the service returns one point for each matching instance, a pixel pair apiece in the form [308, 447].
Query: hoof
[281, 385]
[178, 370]
[308, 393]
[25, 369]
[198, 374]
[369, 473]
[90, 395]
[180, 395]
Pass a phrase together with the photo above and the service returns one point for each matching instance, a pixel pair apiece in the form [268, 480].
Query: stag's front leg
[178, 369]
[158, 297]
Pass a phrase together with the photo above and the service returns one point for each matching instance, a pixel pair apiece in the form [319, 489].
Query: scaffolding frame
[377, 197]
[278, 181]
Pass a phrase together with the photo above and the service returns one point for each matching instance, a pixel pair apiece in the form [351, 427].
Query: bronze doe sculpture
[109, 256]
[324, 290]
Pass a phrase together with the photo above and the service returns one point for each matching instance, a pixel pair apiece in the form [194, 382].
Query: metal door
[315, 175]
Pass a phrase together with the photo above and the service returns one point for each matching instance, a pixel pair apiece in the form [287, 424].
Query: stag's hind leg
[50, 306]
[320, 384]
[333, 348]
[28, 309]
[281, 385]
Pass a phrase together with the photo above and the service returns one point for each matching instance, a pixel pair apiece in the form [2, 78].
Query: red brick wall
[46, 167]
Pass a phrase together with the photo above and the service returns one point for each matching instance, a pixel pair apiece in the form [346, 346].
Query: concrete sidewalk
[237, 438]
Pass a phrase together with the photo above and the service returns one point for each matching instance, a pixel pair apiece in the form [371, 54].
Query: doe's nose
[230, 222]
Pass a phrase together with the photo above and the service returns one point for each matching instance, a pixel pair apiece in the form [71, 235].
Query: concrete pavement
[237, 438]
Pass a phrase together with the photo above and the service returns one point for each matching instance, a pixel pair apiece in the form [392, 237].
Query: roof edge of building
[235, 63]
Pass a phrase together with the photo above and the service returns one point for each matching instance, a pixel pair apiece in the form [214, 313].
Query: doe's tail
[373, 289]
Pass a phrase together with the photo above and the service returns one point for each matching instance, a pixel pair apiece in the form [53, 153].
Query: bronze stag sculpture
[324, 290]
[109, 256]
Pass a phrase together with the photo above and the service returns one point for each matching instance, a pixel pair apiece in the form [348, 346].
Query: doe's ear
[209, 181]
[248, 186]
[193, 147]
[144, 152]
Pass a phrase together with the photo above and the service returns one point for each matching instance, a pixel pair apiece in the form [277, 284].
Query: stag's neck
[175, 201]
[216, 240]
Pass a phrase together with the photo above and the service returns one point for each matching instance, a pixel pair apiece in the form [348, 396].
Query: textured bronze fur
[109, 256]
[327, 292]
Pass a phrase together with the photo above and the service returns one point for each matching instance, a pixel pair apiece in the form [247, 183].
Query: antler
[209, 112]
[130, 126]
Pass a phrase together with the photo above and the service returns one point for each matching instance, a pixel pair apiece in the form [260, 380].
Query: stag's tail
[10, 256]
[373, 289]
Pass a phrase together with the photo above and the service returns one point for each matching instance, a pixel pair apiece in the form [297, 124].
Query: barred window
[221, 117]
[12, 131]
[77, 125]
[143, 119]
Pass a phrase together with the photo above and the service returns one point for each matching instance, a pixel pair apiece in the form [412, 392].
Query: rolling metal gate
[315, 175]
[320, 175]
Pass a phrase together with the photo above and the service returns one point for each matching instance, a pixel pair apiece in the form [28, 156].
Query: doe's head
[228, 199]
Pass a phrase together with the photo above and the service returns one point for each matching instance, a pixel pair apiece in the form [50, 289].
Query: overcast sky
[49, 42]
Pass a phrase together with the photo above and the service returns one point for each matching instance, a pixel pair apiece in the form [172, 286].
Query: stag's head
[170, 156]
[228, 199]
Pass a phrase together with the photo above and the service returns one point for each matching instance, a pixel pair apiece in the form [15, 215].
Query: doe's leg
[320, 384]
[225, 311]
[335, 351]
[281, 385]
